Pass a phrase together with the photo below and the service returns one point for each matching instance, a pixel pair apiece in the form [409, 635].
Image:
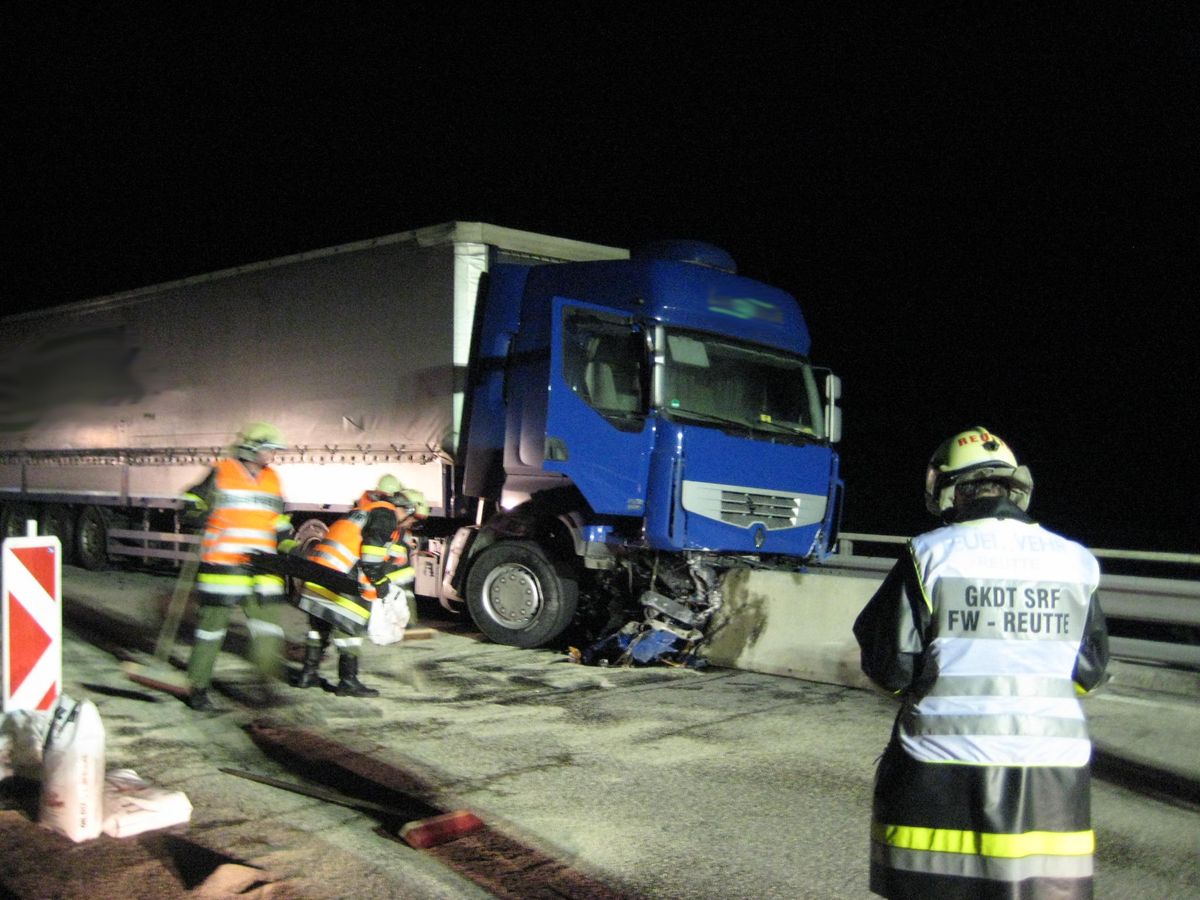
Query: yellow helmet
[974, 455]
[256, 437]
[412, 502]
[408, 502]
[389, 484]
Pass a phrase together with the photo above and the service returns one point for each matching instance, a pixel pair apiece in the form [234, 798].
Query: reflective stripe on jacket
[398, 571]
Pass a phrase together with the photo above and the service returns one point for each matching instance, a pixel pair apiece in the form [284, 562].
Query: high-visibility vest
[1009, 601]
[342, 549]
[246, 517]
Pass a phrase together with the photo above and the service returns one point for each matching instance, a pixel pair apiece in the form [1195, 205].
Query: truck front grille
[746, 506]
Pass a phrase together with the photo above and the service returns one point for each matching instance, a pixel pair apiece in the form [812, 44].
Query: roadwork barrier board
[31, 622]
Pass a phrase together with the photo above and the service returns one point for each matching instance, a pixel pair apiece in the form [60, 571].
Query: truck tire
[91, 539]
[56, 519]
[518, 596]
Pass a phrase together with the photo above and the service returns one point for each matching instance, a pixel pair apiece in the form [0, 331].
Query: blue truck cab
[634, 429]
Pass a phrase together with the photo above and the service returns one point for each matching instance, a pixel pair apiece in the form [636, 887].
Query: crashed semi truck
[600, 433]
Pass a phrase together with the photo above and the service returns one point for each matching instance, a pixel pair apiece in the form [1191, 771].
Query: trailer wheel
[14, 517]
[518, 596]
[91, 539]
[56, 519]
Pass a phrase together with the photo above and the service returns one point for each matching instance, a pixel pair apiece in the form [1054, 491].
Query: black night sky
[989, 213]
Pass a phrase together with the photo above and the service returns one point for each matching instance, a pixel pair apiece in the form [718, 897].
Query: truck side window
[604, 362]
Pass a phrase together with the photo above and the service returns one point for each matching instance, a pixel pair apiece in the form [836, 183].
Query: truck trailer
[602, 434]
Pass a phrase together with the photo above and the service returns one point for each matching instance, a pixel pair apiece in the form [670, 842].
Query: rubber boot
[309, 676]
[348, 683]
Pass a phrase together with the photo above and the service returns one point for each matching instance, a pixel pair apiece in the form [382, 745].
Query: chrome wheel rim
[512, 595]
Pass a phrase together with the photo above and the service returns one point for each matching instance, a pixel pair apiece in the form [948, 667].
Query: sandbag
[132, 806]
[72, 800]
[22, 737]
[389, 617]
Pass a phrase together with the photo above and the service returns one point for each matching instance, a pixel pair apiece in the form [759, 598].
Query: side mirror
[833, 412]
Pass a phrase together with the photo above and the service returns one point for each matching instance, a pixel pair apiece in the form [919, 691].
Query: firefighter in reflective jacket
[242, 506]
[367, 544]
[986, 633]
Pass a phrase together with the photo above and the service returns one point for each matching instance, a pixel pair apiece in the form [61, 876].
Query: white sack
[72, 801]
[22, 736]
[389, 617]
[132, 806]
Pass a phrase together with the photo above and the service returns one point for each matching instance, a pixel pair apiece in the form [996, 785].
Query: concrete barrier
[799, 625]
[789, 623]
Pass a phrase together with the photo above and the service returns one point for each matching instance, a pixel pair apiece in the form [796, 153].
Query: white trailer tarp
[357, 353]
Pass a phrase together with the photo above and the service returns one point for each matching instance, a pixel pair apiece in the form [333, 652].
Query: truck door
[597, 427]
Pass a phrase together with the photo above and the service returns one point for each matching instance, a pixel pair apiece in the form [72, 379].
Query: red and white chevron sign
[32, 622]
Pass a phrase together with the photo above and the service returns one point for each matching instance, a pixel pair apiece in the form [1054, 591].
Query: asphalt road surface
[592, 783]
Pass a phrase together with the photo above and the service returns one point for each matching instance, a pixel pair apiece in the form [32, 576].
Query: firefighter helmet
[257, 437]
[974, 455]
[412, 502]
[389, 485]
[408, 502]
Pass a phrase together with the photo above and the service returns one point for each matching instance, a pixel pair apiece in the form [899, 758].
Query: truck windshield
[714, 380]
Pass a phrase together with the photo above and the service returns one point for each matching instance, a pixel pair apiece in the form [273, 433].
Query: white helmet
[974, 455]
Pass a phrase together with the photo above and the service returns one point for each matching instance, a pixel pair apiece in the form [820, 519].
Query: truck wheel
[91, 539]
[520, 597]
[56, 519]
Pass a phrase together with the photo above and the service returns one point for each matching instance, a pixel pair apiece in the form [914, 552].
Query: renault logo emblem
[760, 535]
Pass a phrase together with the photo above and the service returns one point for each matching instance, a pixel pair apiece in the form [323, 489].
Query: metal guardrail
[152, 544]
[847, 539]
[1170, 602]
